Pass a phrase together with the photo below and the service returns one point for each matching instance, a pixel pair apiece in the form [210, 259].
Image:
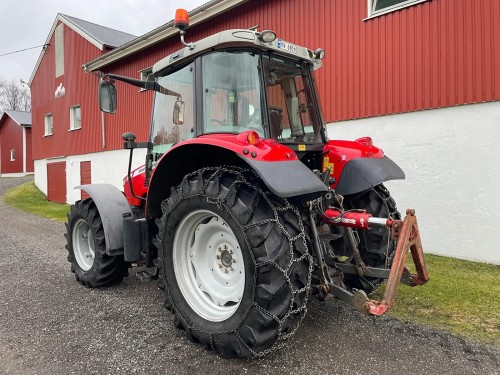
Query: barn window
[12, 155]
[75, 119]
[146, 75]
[378, 7]
[48, 124]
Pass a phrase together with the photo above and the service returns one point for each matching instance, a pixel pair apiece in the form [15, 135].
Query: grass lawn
[27, 197]
[461, 296]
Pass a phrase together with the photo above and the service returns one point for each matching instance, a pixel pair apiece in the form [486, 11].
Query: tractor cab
[233, 82]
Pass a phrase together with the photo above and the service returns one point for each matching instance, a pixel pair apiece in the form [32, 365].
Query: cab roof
[236, 38]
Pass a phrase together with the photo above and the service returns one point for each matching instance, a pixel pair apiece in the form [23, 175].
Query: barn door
[56, 182]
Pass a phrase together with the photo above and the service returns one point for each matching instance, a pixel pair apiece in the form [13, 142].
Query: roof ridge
[96, 24]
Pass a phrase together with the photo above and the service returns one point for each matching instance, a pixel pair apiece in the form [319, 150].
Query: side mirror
[107, 97]
[178, 115]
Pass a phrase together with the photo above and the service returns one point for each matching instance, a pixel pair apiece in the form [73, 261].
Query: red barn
[409, 73]
[68, 127]
[15, 144]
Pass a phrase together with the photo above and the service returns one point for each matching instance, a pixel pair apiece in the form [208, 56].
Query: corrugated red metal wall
[434, 54]
[11, 138]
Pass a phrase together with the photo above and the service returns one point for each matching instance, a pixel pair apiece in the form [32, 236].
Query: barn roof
[104, 35]
[198, 15]
[22, 118]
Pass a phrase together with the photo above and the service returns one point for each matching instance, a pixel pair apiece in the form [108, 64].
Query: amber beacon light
[181, 19]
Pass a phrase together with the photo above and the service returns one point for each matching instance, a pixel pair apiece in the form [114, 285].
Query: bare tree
[3, 84]
[14, 97]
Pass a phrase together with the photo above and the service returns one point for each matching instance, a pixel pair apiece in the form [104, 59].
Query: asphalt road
[49, 324]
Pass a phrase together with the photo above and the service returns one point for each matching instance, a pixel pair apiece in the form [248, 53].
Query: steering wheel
[220, 122]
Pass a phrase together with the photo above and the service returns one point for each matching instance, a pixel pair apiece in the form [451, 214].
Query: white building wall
[451, 159]
[108, 167]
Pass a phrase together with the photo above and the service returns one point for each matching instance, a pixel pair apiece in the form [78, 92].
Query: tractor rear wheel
[87, 248]
[376, 245]
[234, 262]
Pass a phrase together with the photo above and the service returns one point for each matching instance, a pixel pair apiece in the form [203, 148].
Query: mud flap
[364, 173]
[289, 179]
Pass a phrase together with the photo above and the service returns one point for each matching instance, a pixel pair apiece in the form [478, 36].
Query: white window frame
[13, 155]
[144, 73]
[46, 122]
[403, 4]
[72, 118]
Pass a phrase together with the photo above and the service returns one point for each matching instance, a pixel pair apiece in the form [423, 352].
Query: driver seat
[276, 118]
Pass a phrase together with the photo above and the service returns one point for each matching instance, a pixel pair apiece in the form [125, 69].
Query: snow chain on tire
[273, 232]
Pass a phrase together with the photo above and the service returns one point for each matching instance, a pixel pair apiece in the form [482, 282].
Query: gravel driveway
[49, 324]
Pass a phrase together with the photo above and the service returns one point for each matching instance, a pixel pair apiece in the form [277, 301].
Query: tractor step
[147, 275]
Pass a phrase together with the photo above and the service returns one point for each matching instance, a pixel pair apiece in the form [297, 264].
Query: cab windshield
[178, 90]
[232, 95]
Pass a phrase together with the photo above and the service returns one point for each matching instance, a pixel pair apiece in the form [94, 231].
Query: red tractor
[244, 208]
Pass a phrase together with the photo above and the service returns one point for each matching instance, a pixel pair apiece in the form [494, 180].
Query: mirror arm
[130, 81]
[163, 90]
[147, 85]
[129, 145]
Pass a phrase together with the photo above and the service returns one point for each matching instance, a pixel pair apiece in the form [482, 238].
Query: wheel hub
[226, 257]
[208, 265]
[83, 245]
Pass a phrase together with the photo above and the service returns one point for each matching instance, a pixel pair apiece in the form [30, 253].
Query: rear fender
[285, 176]
[364, 173]
[112, 205]
[358, 165]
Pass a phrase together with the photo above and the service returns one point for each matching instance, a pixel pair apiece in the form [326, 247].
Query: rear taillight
[365, 141]
[253, 138]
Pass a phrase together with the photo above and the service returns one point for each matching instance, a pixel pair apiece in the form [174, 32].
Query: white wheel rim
[208, 265]
[83, 245]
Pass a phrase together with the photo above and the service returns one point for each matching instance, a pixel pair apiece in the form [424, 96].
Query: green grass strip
[28, 198]
[461, 297]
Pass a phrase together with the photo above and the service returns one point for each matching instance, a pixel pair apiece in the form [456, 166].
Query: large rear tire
[234, 262]
[376, 245]
[87, 248]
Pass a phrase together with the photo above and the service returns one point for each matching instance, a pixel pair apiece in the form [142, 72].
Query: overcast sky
[27, 23]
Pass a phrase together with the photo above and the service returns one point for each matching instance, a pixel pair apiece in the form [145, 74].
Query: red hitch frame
[408, 237]
[407, 234]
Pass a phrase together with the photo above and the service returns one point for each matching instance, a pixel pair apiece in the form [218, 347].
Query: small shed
[15, 144]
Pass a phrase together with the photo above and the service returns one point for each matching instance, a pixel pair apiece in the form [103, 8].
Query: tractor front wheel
[233, 262]
[87, 248]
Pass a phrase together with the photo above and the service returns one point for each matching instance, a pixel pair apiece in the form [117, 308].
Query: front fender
[111, 204]
[364, 173]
